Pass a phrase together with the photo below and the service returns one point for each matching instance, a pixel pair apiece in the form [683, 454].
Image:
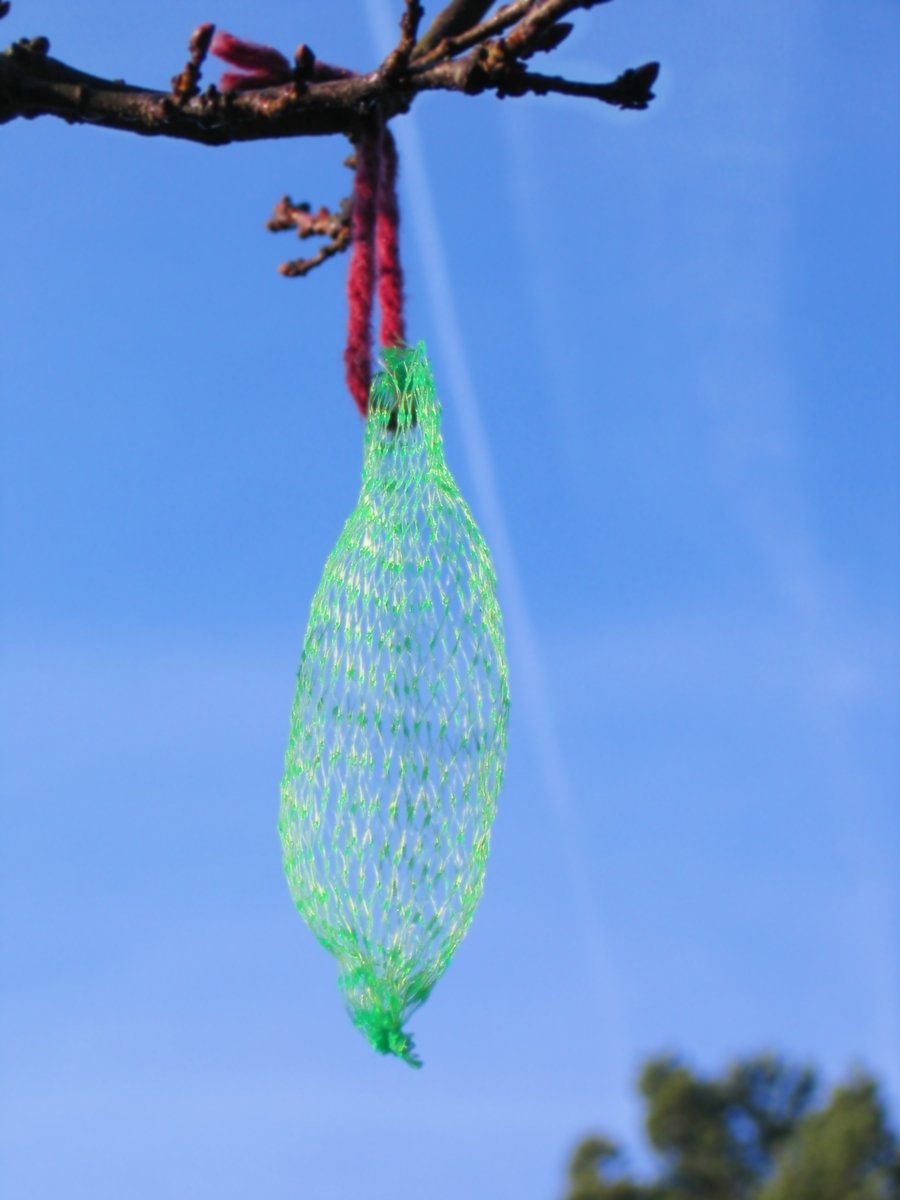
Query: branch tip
[186, 85]
[200, 42]
[409, 25]
[397, 62]
[635, 86]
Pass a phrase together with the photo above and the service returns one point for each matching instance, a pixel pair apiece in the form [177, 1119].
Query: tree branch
[334, 226]
[632, 89]
[488, 69]
[32, 84]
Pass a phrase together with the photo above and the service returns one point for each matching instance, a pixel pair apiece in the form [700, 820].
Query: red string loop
[374, 259]
[361, 275]
[387, 246]
[374, 221]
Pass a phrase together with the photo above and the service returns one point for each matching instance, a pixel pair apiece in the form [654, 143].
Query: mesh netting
[398, 731]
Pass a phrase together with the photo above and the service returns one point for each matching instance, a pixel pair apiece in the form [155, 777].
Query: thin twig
[487, 69]
[335, 226]
[409, 26]
[545, 36]
[449, 47]
[632, 90]
[397, 61]
[186, 85]
[456, 18]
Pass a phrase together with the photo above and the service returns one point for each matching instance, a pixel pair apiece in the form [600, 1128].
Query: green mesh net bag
[398, 730]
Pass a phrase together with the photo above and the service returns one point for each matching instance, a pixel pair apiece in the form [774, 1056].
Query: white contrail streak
[530, 677]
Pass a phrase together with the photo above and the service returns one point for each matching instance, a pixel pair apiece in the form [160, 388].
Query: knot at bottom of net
[380, 999]
[386, 1035]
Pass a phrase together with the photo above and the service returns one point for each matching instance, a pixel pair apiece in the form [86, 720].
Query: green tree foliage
[755, 1133]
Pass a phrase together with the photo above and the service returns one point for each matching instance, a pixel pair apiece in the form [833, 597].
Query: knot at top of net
[403, 399]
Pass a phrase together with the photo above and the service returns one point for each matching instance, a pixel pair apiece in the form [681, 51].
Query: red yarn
[374, 257]
[264, 66]
[361, 276]
[387, 248]
[261, 66]
[375, 219]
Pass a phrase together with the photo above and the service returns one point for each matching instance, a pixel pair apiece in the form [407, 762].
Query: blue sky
[666, 347]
